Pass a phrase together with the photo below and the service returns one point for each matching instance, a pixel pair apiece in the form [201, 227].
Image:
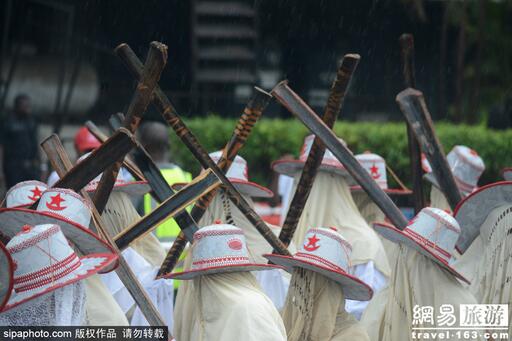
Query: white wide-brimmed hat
[238, 175]
[292, 167]
[25, 193]
[6, 275]
[219, 248]
[62, 207]
[472, 211]
[466, 166]
[325, 251]
[44, 261]
[375, 165]
[432, 232]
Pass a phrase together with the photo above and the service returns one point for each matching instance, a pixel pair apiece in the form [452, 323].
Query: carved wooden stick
[407, 49]
[298, 107]
[155, 63]
[316, 154]
[252, 113]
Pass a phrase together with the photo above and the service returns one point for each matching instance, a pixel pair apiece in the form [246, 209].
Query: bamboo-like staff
[299, 108]
[408, 70]
[61, 163]
[316, 154]
[155, 62]
[252, 113]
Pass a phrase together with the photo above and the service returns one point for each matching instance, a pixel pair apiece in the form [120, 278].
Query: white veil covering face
[438, 200]
[330, 204]
[227, 307]
[492, 283]
[274, 282]
[62, 307]
[466, 264]
[371, 214]
[102, 309]
[315, 310]
[144, 257]
[119, 213]
[418, 281]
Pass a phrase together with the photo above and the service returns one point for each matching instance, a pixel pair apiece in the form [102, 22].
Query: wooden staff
[250, 116]
[167, 110]
[201, 185]
[334, 104]
[413, 106]
[299, 108]
[408, 70]
[155, 63]
[61, 163]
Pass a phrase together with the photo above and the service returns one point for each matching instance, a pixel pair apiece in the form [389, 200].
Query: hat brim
[395, 235]
[6, 276]
[506, 173]
[90, 265]
[12, 219]
[390, 191]
[133, 188]
[191, 274]
[353, 287]
[249, 188]
[472, 211]
[294, 167]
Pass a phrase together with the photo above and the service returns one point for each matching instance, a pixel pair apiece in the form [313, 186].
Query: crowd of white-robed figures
[351, 274]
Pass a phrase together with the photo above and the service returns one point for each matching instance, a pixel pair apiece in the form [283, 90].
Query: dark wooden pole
[408, 70]
[334, 104]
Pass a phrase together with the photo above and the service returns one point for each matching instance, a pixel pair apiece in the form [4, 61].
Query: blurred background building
[61, 54]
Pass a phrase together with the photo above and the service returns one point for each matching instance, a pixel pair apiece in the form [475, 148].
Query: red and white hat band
[24, 193]
[436, 230]
[466, 166]
[327, 248]
[375, 165]
[67, 204]
[329, 158]
[41, 255]
[219, 245]
[238, 169]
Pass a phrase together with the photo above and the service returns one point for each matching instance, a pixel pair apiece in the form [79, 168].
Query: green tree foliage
[272, 138]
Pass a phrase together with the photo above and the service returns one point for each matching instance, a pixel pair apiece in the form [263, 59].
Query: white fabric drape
[62, 307]
[314, 310]
[101, 307]
[227, 307]
[418, 281]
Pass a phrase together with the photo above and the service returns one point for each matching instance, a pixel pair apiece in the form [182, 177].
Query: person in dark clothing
[18, 137]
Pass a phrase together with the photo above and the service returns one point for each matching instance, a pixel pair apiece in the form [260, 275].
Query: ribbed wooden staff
[334, 104]
[168, 112]
[289, 99]
[408, 70]
[250, 116]
[155, 63]
[61, 163]
[413, 106]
